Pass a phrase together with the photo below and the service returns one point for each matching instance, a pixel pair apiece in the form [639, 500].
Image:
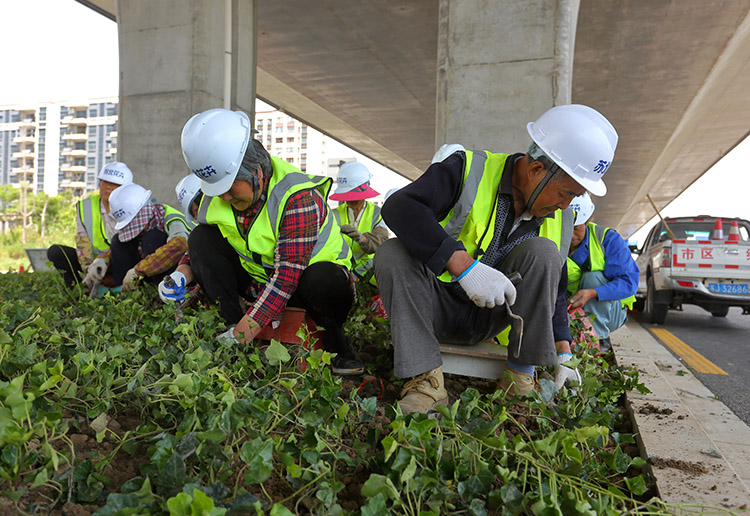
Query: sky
[74, 33]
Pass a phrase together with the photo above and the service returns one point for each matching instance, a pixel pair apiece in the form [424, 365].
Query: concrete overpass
[394, 79]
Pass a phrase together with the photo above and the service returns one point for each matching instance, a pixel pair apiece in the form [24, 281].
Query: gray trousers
[610, 315]
[425, 311]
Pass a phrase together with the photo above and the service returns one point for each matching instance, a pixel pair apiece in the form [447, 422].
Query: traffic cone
[718, 233]
[734, 232]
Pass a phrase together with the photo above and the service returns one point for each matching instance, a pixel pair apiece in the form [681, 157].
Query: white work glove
[565, 374]
[131, 280]
[228, 335]
[94, 274]
[352, 232]
[486, 286]
[173, 288]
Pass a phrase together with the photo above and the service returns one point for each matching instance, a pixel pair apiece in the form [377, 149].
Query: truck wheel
[720, 311]
[656, 313]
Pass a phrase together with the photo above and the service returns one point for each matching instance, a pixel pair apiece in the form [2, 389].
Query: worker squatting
[479, 236]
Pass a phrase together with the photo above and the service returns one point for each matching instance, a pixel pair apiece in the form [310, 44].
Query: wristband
[464, 273]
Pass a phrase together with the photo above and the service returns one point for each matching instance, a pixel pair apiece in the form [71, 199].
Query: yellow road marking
[694, 359]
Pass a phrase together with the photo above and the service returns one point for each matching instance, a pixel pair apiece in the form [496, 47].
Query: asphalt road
[725, 341]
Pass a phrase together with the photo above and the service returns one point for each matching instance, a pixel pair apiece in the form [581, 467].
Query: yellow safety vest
[596, 253]
[173, 215]
[361, 262]
[257, 249]
[90, 215]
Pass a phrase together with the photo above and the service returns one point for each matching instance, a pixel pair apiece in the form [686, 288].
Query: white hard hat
[353, 183]
[117, 173]
[187, 190]
[446, 150]
[126, 201]
[389, 193]
[213, 144]
[584, 208]
[579, 140]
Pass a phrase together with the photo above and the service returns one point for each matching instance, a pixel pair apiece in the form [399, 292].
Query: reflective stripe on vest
[257, 249]
[559, 229]
[596, 236]
[89, 212]
[361, 262]
[172, 215]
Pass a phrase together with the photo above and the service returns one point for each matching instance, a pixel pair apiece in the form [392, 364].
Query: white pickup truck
[694, 268]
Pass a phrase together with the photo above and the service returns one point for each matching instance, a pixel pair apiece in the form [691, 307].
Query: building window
[92, 161]
[42, 114]
[92, 145]
[92, 130]
[290, 139]
[279, 140]
[111, 128]
[289, 150]
[92, 112]
[290, 160]
[279, 128]
[111, 110]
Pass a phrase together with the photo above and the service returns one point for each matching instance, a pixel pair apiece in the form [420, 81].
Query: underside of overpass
[670, 75]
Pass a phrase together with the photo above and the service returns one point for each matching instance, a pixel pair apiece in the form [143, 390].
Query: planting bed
[124, 406]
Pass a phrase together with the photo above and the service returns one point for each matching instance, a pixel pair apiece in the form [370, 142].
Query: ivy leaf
[257, 454]
[637, 485]
[389, 445]
[375, 505]
[409, 471]
[378, 485]
[277, 353]
[280, 510]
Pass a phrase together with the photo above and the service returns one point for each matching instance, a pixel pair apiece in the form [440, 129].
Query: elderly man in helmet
[360, 220]
[602, 275]
[462, 228]
[95, 228]
[150, 240]
[265, 234]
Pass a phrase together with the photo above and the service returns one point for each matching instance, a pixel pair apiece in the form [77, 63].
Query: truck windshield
[692, 230]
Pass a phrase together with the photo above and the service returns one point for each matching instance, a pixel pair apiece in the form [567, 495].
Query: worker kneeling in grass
[95, 228]
[265, 234]
[467, 223]
[602, 275]
[361, 224]
[151, 238]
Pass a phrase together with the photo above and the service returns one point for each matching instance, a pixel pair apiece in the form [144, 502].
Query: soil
[693, 468]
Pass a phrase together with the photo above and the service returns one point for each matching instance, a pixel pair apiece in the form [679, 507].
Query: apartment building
[56, 146]
[287, 138]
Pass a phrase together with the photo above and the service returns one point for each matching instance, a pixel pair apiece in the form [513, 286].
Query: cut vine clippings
[124, 406]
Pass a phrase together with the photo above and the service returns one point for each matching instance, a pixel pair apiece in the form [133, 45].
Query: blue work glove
[173, 288]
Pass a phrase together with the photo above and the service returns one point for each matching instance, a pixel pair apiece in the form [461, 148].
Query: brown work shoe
[422, 393]
[514, 383]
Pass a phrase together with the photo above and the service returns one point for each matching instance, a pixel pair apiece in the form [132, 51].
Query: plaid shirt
[298, 232]
[149, 217]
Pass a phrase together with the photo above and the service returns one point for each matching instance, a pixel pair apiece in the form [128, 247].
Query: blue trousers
[610, 315]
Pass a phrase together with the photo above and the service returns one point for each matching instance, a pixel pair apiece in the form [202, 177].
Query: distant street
[725, 341]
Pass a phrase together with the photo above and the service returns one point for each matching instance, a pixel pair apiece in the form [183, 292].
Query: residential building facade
[57, 146]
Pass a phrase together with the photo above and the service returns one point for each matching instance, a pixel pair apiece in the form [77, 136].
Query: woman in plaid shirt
[266, 235]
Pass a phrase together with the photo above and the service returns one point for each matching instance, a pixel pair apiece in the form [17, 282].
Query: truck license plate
[728, 288]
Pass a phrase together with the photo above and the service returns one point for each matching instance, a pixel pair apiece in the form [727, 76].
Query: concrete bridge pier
[178, 58]
[501, 64]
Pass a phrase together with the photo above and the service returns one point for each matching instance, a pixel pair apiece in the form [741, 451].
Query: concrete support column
[501, 64]
[173, 58]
